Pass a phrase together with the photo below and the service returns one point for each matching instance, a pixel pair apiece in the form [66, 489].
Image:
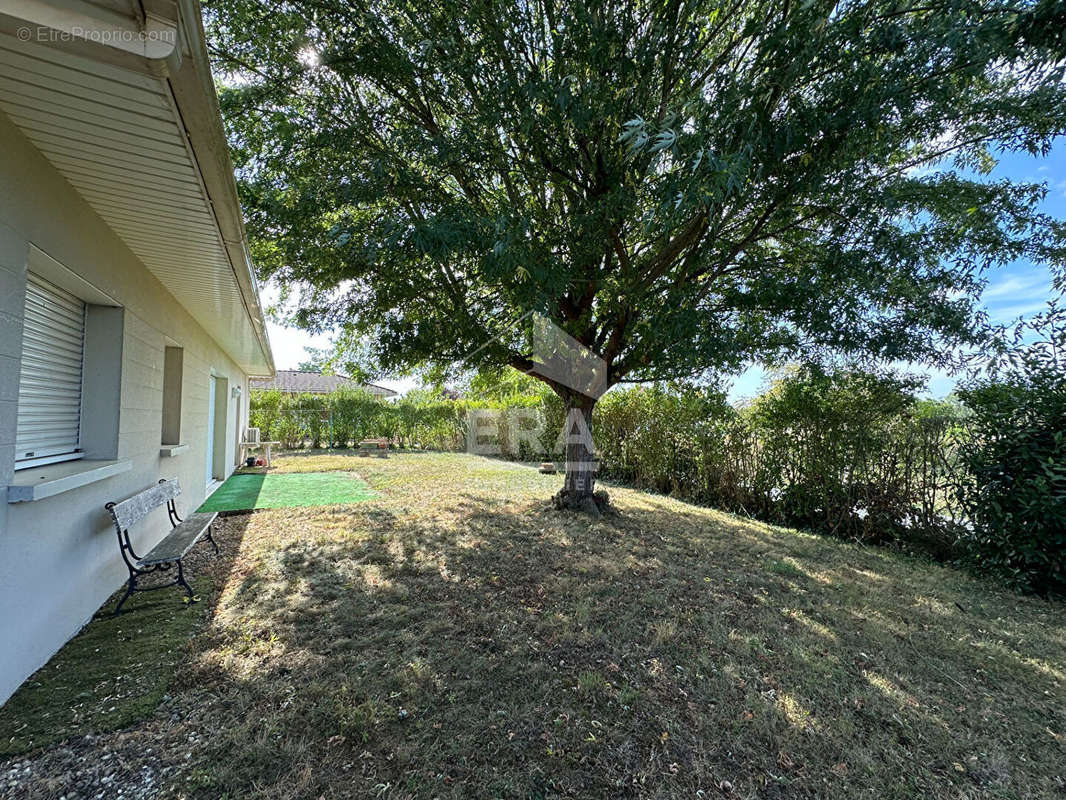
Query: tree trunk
[579, 486]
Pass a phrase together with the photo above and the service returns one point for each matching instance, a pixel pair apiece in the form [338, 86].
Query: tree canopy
[681, 185]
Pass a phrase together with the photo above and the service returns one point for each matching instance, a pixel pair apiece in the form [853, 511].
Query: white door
[211, 430]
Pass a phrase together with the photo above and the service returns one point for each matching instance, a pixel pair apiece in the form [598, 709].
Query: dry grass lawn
[456, 638]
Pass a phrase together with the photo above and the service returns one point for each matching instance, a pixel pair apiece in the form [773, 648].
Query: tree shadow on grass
[488, 647]
[514, 651]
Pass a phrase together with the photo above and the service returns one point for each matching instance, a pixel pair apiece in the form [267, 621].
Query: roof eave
[194, 93]
[175, 51]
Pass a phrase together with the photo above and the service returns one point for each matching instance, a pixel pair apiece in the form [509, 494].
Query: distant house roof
[297, 381]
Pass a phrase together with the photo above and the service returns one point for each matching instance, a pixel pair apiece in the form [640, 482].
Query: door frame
[212, 403]
[218, 410]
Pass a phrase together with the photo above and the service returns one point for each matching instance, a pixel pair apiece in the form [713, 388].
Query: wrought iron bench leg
[182, 582]
[211, 539]
[130, 589]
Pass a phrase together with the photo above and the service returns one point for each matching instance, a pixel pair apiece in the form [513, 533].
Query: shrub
[836, 453]
[1013, 490]
[353, 415]
[290, 430]
[265, 407]
[849, 453]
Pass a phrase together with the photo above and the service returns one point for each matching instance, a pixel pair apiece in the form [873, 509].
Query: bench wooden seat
[171, 549]
[180, 540]
[380, 447]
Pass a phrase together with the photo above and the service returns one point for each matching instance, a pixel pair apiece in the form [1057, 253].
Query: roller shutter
[49, 405]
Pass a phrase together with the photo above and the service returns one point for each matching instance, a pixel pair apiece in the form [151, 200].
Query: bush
[265, 408]
[848, 453]
[290, 430]
[1013, 489]
[353, 415]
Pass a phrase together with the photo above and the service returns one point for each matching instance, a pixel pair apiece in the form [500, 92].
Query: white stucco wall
[59, 556]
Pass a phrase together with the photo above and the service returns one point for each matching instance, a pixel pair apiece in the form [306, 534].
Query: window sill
[171, 450]
[37, 483]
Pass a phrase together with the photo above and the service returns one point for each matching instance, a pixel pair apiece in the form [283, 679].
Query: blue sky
[1021, 289]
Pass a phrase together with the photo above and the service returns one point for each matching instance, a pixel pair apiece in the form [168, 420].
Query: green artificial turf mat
[287, 490]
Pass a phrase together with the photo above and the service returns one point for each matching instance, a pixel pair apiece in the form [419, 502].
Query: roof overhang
[118, 96]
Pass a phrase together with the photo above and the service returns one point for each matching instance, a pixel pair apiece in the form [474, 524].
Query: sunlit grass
[456, 637]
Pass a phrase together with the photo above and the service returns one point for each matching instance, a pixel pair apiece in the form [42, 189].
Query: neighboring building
[129, 315]
[295, 381]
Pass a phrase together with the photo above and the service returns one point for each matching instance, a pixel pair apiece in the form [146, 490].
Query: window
[173, 358]
[50, 380]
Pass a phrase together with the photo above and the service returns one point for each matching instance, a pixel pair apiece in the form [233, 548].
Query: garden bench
[171, 549]
[380, 447]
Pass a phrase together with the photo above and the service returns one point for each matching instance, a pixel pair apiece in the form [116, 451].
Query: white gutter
[147, 39]
[153, 36]
[194, 92]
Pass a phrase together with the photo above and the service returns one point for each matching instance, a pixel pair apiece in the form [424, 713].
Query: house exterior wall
[59, 557]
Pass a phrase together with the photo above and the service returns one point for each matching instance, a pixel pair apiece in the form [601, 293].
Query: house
[130, 319]
[295, 381]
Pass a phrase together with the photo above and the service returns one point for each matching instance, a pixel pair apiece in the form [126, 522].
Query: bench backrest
[136, 508]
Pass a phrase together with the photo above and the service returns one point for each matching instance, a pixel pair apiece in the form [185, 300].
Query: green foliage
[264, 410]
[336, 419]
[681, 187]
[848, 453]
[352, 416]
[664, 438]
[422, 419]
[1015, 459]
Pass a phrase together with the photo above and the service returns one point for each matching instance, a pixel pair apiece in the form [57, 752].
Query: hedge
[846, 453]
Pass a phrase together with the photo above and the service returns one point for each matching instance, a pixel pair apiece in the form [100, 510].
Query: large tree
[679, 185]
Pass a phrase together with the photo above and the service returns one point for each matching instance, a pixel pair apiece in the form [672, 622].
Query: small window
[173, 364]
[50, 379]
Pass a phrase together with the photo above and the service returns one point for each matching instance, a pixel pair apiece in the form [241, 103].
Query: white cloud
[1016, 287]
[1019, 310]
[1019, 295]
